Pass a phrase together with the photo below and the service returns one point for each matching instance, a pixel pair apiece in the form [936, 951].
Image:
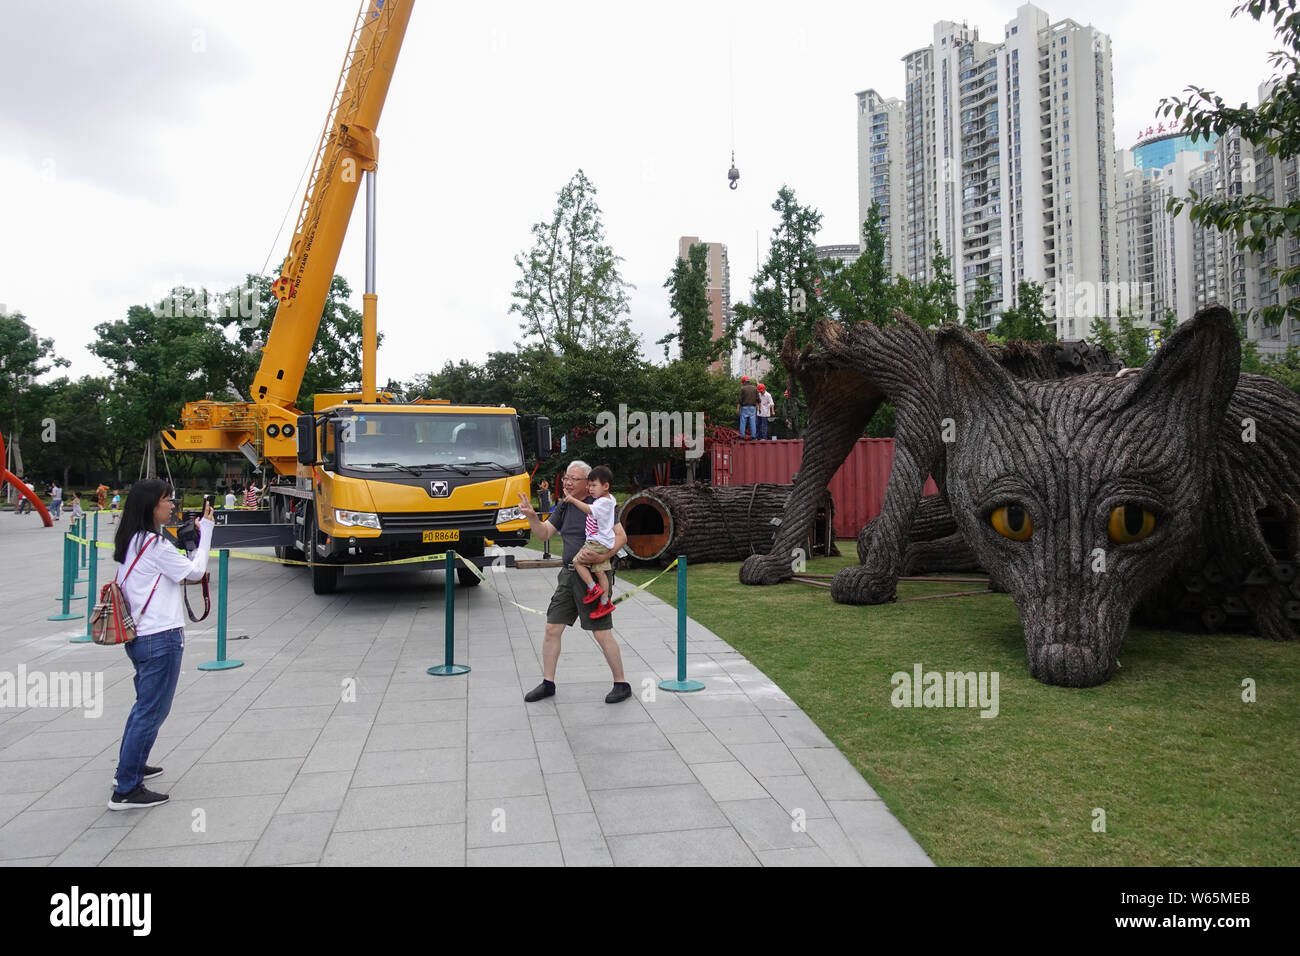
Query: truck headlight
[357, 519]
[508, 514]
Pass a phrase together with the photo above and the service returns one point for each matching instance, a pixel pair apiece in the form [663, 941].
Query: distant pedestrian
[24, 506]
[230, 499]
[56, 501]
[77, 513]
[790, 412]
[544, 506]
[117, 505]
[102, 494]
[250, 496]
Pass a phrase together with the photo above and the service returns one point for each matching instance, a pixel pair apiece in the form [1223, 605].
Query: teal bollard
[78, 554]
[681, 684]
[69, 559]
[93, 572]
[223, 577]
[448, 668]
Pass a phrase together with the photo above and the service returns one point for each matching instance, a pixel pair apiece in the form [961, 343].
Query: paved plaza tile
[333, 746]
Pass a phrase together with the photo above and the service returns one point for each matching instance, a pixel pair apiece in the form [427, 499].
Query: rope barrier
[478, 572]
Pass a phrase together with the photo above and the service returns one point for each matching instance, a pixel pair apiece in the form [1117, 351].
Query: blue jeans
[157, 660]
[748, 413]
[56, 506]
[762, 425]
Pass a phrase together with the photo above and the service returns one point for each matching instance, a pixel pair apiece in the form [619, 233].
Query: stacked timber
[706, 522]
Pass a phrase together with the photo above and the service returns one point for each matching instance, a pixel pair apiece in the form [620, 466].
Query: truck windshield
[434, 440]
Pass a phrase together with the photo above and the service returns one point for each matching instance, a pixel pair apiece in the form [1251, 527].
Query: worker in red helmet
[766, 405]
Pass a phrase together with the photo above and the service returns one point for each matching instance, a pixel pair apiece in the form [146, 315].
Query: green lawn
[1186, 772]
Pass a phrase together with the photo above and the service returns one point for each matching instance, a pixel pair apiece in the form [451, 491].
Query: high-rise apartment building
[1169, 262]
[719, 284]
[882, 166]
[1009, 163]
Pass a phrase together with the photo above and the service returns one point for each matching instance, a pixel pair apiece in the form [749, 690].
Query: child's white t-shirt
[600, 523]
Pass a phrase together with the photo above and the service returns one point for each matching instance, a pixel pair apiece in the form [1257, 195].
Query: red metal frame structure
[33, 497]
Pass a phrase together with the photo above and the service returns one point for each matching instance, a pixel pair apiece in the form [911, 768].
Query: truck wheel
[324, 579]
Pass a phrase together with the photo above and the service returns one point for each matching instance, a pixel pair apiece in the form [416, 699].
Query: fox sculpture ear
[966, 377]
[1194, 374]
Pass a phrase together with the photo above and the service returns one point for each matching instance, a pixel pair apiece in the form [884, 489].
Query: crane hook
[733, 174]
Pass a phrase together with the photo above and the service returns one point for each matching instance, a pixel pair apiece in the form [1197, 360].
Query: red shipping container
[858, 487]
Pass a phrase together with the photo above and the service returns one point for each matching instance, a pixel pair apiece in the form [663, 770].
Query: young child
[594, 556]
[117, 506]
[77, 513]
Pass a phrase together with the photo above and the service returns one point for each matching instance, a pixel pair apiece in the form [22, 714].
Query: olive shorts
[567, 607]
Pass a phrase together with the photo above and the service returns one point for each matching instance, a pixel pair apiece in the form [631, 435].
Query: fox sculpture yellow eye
[1012, 521]
[1130, 523]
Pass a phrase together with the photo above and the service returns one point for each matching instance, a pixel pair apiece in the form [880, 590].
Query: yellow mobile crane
[363, 477]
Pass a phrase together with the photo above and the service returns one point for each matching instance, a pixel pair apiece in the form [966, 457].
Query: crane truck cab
[384, 481]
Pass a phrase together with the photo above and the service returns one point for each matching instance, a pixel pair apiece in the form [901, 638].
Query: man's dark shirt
[571, 522]
[749, 394]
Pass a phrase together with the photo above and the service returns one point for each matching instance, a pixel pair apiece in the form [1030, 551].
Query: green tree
[689, 299]
[1027, 321]
[570, 293]
[24, 358]
[1273, 125]
[160, 358]
[785, 289]
[863, 292]
[934, 301]
[978, 302]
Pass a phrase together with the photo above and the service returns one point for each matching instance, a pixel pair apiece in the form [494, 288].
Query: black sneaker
[621, 691]
[545, 689]
[137, 799]
[149, 773]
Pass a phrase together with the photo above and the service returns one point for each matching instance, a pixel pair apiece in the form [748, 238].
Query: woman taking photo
[151, 572]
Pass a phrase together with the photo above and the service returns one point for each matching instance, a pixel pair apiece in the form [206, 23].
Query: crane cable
[297, 192]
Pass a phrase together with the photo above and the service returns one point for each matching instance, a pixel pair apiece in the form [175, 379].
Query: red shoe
[593, 594]
[603, 611]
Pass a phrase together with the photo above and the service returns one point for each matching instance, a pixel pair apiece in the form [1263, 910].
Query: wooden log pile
[708, 522]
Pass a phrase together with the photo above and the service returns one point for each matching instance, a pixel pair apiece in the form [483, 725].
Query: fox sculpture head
[1084, 492]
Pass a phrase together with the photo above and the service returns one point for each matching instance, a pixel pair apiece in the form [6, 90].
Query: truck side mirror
[307, 440]
[543, 438]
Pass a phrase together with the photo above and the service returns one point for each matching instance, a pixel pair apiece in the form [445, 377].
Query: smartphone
[210, 500]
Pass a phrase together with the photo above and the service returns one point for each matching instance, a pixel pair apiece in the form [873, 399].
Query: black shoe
[137, 799]
[545, 689]
[621, 691]
[149, 773]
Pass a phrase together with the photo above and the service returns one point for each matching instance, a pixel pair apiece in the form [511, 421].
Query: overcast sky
[149, 144]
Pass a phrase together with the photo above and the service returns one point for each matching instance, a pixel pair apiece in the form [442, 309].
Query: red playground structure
[33, 497]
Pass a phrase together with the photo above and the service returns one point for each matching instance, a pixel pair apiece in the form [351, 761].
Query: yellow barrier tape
[247, 556]
[618, 600]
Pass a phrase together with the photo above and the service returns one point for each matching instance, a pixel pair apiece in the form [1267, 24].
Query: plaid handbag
[111, 622]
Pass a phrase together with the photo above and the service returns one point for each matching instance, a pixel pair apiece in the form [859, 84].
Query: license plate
[433, 537]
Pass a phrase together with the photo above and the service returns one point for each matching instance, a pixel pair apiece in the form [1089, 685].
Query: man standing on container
[566, 603]
[765, 406]
[748, 407]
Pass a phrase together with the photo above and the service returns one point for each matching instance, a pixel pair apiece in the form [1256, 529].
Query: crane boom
[348, 146]
[262, 429]
[360, 478]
